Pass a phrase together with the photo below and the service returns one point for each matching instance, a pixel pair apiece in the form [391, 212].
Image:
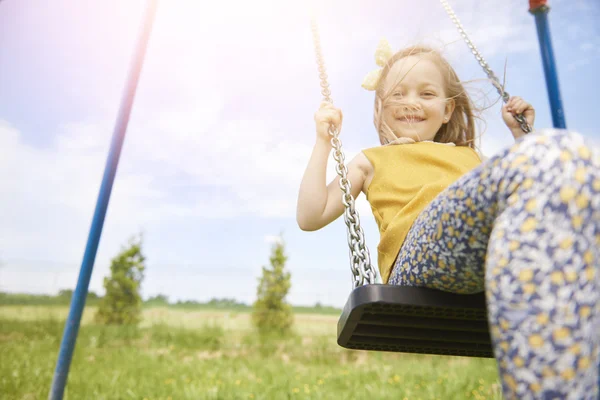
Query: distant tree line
[63, 298]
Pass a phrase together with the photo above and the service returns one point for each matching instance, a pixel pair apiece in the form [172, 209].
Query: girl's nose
[407, 108]
[411, 101]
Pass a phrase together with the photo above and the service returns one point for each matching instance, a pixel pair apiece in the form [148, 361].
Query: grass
[178, 354]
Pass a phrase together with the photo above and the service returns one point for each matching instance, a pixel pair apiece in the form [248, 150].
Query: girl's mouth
[411, 119]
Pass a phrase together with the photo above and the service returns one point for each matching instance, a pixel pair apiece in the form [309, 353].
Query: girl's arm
[318, 203]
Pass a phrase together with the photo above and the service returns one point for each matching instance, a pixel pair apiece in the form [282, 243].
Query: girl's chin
[412, 135]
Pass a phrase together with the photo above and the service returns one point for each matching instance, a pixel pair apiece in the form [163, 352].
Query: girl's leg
[532, 215]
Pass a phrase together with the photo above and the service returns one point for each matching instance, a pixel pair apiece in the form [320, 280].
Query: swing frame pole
[69, 338]
[540, 10]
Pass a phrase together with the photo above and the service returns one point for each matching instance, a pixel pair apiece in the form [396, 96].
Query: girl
[524, 225]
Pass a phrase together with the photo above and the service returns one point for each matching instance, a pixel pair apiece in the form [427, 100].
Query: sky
[222, 128]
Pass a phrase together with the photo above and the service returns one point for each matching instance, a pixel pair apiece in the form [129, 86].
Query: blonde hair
[460, 129]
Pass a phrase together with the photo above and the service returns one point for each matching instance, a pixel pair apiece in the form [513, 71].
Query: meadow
[215, 354]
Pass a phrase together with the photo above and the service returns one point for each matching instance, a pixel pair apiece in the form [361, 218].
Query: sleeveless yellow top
[406, 179]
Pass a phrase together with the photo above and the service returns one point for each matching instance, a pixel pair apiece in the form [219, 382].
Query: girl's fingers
[331, 116]
[523, 107]
[513, 103]
[334, 117]
[517, 105]
[326, 104]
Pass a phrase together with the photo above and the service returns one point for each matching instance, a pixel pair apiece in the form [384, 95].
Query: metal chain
[525, 127]
[360, 258]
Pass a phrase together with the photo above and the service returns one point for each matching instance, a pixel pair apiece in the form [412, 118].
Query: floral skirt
[524, 227]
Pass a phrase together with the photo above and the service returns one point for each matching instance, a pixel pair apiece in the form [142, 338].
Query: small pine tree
[122, 303]
[271, 314]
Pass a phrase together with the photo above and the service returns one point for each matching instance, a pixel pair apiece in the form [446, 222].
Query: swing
[401, 318]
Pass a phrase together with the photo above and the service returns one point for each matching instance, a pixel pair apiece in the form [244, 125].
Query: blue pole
[67, 346]
[543, 30]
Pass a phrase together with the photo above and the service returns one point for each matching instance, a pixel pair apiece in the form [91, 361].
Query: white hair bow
[382, 55]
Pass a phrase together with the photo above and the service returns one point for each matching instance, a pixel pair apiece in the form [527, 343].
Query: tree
[271, 314]
[158, 300]
[66, 294]
[122, 303]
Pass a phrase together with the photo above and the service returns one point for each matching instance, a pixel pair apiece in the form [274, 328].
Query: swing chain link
[360, 258]
[525, 127]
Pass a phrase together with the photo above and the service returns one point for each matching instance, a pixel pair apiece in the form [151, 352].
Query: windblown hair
[460, 129]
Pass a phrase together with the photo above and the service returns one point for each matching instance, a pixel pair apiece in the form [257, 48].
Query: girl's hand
[327, 115]
[517, 105]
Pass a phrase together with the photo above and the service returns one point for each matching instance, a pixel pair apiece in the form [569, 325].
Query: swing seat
[415, 320]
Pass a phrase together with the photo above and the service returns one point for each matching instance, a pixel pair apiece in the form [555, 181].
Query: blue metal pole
[543, 30]
[67, 346]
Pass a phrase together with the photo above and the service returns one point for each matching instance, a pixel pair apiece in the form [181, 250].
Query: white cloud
[259, 174]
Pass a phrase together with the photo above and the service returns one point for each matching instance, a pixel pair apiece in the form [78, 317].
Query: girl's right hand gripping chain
[318, 203]
[327, 116]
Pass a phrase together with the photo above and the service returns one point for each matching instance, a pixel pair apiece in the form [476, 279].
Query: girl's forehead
[414, 69]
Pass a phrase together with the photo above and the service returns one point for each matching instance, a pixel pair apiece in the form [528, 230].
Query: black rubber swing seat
[415, 320]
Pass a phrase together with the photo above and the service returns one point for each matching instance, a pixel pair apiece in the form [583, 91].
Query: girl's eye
[428, 94]
[398, 94]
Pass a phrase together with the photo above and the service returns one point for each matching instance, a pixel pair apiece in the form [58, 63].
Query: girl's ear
[450, 105]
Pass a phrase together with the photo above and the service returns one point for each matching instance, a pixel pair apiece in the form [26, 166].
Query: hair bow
[382, 54]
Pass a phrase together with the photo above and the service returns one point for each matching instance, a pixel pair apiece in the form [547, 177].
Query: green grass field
[186, 354]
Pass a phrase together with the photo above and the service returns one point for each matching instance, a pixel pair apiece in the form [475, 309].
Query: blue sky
[222, 128]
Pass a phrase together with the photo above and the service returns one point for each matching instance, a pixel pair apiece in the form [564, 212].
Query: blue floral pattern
[524, 227]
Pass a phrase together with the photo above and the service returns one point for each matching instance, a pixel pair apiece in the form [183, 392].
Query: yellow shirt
[406, 179]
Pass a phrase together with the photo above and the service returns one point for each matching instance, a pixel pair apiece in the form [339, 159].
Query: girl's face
[416, 104]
